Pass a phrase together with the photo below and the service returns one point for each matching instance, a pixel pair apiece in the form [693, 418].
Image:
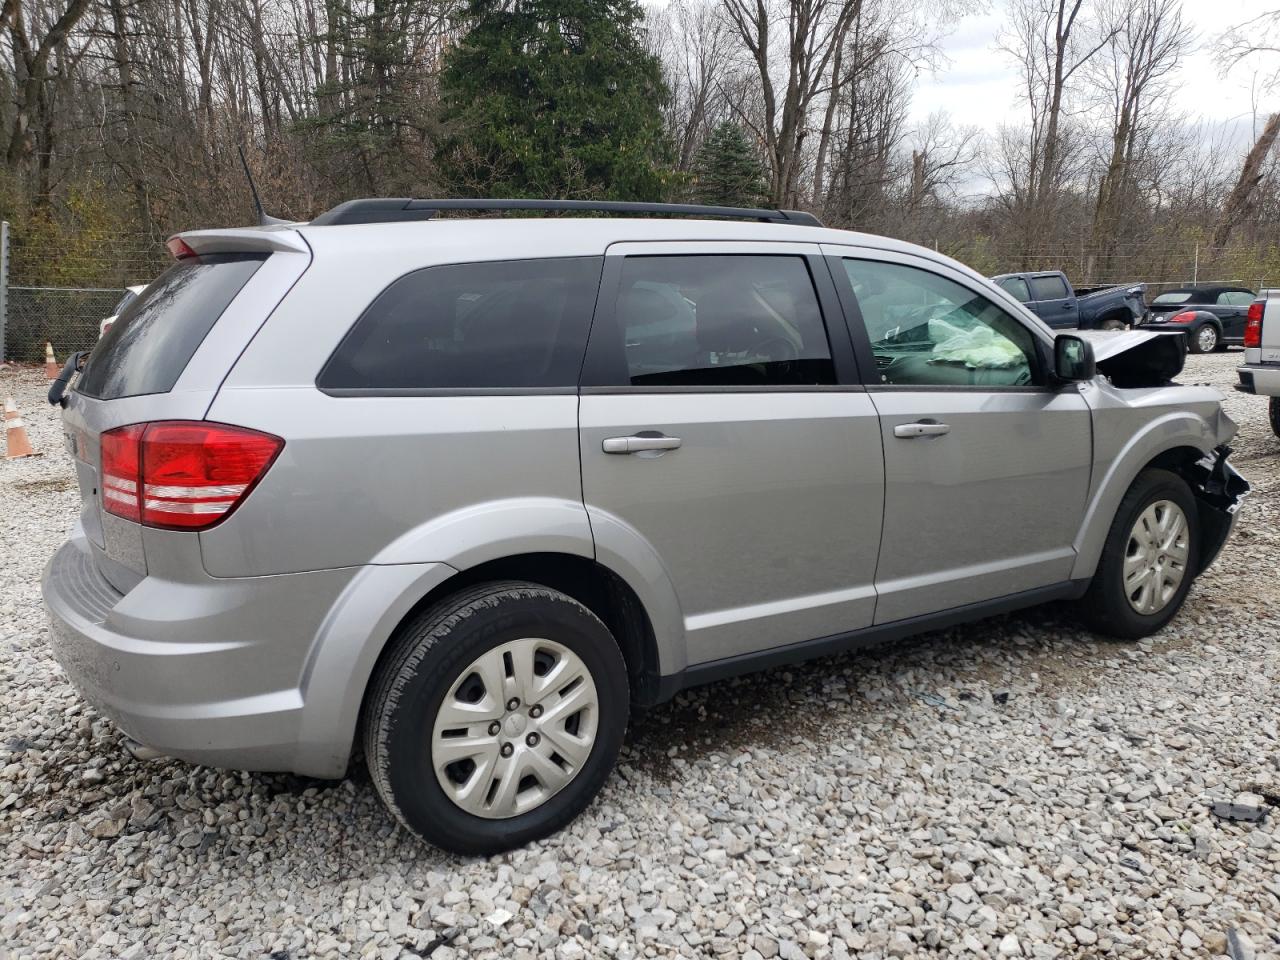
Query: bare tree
[1048, 41]
[1131, 75]
[815, 31]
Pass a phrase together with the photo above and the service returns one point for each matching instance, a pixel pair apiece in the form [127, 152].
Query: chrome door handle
[636, 444]
[921, 428]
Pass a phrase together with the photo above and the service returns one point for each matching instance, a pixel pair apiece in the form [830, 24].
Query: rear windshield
[154, 338]
[1181, 297]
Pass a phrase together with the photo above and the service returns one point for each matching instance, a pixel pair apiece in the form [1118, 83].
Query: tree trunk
[1242, 202]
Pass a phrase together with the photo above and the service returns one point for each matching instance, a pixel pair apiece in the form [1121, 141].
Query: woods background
[120, 122]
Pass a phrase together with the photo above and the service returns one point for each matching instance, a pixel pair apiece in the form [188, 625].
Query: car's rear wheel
[1148, 560]
[496, 717]
[1205, 340]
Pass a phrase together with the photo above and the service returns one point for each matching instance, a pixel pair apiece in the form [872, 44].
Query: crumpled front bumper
[1219, 490]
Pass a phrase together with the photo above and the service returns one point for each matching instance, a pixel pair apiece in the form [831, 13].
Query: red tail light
[1253, 325]
[1185, 317]
[179, 248]
[182, 475]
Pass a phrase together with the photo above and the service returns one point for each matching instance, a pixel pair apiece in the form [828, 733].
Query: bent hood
[1138, 358]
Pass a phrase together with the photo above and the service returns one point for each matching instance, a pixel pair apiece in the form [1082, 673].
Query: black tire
[1194, 343]
[1113, 322]
[1105, 608]
[423, 665]
[1273, 408]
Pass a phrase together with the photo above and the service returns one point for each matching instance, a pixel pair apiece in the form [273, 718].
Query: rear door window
[499, 324]
[713, 320]
[154, 338]
[1049, 288]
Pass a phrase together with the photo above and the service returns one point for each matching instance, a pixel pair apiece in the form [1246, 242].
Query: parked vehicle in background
[1049, 293]
[1260, 372]
[462, 491]
[130, 294]
[1213, 317]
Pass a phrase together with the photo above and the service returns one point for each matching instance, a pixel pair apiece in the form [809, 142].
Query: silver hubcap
[515, 728]
[1208, 338]
[1155, 561]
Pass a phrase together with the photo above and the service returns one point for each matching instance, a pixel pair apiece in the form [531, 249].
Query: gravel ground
[1017, 787]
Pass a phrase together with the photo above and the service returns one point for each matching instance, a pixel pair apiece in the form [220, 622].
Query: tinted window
[1017, 287]
[150, 344]
[1175, 297]
[1236, 298]
[1049, 288]
[506, 323]
[927, 330]
[721, 321]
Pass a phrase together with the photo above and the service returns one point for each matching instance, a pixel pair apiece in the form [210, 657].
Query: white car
[130, 295]
[1260, 372]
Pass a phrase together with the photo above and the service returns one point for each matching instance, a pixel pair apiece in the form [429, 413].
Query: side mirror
[1073, 359]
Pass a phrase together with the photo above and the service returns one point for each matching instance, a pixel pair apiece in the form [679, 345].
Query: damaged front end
[1138, 358]
[1219, 491]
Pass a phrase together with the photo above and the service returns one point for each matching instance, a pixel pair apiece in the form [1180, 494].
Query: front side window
[1049, 288]
[1236, 298]
[500, 324]
[735, 320]
[926, 330]
[1017, 288]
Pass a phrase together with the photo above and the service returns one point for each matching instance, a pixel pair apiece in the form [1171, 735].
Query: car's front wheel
[1148, 560]
[496, 717]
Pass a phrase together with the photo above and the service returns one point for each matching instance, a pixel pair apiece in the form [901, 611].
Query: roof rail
[399, 209]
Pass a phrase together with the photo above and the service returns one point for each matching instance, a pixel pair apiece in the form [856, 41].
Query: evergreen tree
[554, 99]
[727, 171]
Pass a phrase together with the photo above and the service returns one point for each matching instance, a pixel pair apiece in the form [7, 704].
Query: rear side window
[154, 338]
[1178, 296]
[708, 320]
[505, 323]
[1048, 288]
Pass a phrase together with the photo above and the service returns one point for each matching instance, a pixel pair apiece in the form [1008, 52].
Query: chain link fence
[67, 317]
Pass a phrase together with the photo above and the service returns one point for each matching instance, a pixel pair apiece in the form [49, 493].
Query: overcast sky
[977, 83]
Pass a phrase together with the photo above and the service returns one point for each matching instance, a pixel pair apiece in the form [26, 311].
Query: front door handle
[639, 443]
[921, 428]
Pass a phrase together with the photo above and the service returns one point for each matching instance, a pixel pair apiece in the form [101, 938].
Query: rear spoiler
[274, 239]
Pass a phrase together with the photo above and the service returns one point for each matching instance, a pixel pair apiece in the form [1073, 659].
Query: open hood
[1138, 358]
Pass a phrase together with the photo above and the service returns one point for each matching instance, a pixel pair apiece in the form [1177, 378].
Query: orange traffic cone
[15, 433]
[51, 368]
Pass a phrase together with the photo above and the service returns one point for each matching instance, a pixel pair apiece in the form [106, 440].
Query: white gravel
[1016, 787]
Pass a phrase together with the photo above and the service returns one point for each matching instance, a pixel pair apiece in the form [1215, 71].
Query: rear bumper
[1261, 378]
[210, 672]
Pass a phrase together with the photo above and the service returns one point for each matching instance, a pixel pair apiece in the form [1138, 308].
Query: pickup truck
[1049, 294]
[1260, 372]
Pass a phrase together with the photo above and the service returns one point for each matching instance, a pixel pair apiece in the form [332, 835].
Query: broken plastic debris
[1239, 812]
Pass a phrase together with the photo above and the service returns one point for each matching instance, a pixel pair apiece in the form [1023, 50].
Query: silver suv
[461, 492]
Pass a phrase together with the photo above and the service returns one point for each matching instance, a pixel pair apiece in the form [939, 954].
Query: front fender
[1132, 428]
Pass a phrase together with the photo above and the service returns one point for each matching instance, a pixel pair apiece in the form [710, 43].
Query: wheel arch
[1150, 450]
[356, 637]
